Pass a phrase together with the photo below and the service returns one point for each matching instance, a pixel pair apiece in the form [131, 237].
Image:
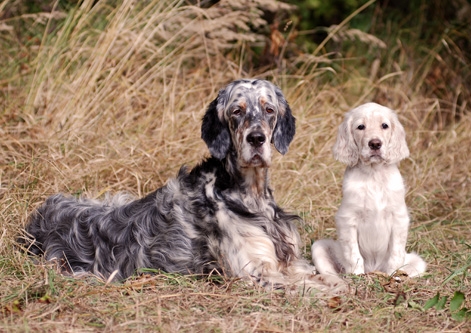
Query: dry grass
[111, 99]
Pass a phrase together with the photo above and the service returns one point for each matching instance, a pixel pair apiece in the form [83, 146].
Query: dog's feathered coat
[372, 221]
[220, 216]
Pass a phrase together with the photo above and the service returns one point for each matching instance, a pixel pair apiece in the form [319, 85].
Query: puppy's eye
[270, 110]
[385, 126]
[236, 112]
[361, 127]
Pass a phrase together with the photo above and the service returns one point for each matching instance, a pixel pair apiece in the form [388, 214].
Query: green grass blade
[432, 302]
[457, 301]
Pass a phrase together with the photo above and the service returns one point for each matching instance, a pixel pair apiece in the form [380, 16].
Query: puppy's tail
[414, 265]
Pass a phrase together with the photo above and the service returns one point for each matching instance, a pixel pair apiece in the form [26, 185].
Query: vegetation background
[99, 96]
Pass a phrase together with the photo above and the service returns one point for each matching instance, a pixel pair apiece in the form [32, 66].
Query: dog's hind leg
[325, 256]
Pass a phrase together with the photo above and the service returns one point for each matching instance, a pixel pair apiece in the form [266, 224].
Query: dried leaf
[334, 302]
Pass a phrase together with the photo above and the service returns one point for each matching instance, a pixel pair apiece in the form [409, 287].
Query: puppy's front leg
[347, 231]
[397, 243]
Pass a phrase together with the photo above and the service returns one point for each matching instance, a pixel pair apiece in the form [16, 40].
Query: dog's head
[246, 117]
[370, 134]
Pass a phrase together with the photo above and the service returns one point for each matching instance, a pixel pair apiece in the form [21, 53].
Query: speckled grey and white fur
[218, 217]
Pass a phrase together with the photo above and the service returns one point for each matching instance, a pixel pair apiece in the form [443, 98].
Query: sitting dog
[220, 217]
[372, 221]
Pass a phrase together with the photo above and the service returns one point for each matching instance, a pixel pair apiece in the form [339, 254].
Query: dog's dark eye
[361, 127]
[385, 126]
[270, 110]
[236, 112]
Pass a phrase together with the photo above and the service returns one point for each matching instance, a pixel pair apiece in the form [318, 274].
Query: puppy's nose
[256, 139]
[375, 144]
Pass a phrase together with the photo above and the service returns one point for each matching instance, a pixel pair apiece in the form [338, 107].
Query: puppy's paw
[359, 271]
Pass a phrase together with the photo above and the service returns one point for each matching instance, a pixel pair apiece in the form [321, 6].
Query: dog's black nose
[375, 144]
[256, 139]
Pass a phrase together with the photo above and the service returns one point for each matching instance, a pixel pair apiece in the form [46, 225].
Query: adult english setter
[219, 217]
[372, 221]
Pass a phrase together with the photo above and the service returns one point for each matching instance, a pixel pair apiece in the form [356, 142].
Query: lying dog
[219, 217]
[372, 221]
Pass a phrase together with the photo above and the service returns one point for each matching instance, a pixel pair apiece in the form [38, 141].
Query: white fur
[372, 221]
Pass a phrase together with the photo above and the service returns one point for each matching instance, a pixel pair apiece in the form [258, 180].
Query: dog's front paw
[395, 262]
[359, 271]
[357, 267]
[331, 283]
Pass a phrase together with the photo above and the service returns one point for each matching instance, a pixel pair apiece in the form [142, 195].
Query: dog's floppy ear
[345, 149]
[397, 149]
[214, 130]
[285, 125]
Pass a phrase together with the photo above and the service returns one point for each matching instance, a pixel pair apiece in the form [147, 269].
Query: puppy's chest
[375, 209]
[373, 195]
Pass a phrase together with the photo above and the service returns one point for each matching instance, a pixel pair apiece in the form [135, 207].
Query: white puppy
[372, 221]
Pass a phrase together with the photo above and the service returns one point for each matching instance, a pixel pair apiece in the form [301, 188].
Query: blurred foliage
[428, 40]
[314, 13]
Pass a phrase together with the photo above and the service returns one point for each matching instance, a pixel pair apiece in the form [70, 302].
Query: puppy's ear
[285, 125]
[345, 149]
[214, 130]
[397, 149]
